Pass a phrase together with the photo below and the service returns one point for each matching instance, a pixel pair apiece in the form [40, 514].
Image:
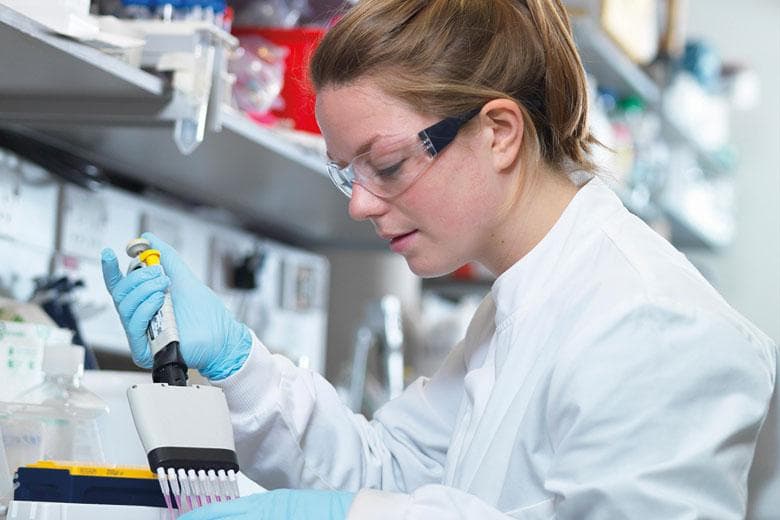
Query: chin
[428, 269]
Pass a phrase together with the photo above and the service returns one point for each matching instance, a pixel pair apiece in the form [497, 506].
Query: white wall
[748, 272]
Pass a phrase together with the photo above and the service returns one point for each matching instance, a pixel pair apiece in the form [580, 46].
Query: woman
[602, 377]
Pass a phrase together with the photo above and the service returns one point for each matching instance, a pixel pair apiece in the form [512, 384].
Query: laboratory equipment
[382, 329]
[59, 490]
[259, 68]
[55, 295]
[124, 453]
[183, 427]
[185, 430]
[64, 412]
[217, 344]
[169, 366]
[56, 419]
[288, 308]
[296, 92]
[188, 438]
[50, 481]
[35, 510]
[21, 354]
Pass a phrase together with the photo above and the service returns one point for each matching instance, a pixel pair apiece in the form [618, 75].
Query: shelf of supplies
[707, 159]
[72, 96]
[611, 67]
[37, 63]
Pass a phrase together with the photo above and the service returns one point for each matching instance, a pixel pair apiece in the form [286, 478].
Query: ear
[504, 120]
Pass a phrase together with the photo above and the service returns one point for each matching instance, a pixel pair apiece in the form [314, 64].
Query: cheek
[448, 203]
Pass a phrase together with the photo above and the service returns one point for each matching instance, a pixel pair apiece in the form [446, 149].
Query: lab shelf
[707, 160]
[121, 117]
[274, 185]
[612, 68]
[604, 59]
[45, 74]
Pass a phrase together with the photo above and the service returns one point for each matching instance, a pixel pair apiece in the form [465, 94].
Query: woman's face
[447, 216]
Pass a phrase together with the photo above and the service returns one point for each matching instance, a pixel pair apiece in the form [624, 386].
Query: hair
[446, 57]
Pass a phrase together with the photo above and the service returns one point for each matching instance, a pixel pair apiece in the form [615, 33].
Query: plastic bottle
[70, 413]
[169, 10]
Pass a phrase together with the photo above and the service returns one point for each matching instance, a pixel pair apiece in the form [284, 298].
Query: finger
[169, 257]
[157, 243]
[139, 346]
[111, 273]
[143, 357]
[140, 293]
[132, 280]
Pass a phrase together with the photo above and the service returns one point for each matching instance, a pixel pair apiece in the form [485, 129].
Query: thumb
[111, 273]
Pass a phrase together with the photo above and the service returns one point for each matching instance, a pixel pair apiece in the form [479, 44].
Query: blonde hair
[445, 57]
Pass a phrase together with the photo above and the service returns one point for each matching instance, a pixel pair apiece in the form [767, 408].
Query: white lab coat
[601, 378]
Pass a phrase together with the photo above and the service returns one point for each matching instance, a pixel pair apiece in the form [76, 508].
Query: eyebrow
[363, 148]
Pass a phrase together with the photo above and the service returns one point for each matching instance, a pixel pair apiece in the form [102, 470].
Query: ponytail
[565, 86]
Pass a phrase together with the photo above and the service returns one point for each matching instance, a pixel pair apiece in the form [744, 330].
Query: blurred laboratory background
[194, 120]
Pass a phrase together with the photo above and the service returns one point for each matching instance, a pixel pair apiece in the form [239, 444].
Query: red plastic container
[297, 91]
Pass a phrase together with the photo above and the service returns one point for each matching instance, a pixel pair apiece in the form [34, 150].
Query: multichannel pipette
[194, 459]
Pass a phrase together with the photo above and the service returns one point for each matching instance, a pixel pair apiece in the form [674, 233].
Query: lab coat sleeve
[292, 430]
[658, 416]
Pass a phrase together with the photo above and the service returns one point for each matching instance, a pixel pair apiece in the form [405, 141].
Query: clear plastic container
[258, 66]
[57, 419]
[63, 366]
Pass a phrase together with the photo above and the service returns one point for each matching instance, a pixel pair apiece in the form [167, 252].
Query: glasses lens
[388, 170]
[342, 177]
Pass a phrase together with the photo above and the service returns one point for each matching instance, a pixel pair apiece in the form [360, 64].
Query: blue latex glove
[280, 504]
[211, 339]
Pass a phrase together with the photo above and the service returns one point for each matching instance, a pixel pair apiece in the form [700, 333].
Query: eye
[390, 166]
[390, 171]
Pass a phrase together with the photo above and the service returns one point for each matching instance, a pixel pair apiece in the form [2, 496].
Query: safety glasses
[393, 164]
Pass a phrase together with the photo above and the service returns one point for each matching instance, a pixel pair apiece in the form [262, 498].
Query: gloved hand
[280, 504]
[211, 339]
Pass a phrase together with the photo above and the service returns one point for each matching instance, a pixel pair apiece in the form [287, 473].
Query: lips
[394, 236]
[402, 242]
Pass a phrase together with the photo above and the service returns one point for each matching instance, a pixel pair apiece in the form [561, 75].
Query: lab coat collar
[515, 288]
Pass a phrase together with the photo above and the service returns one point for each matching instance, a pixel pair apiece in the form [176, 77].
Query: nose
[365, 205]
